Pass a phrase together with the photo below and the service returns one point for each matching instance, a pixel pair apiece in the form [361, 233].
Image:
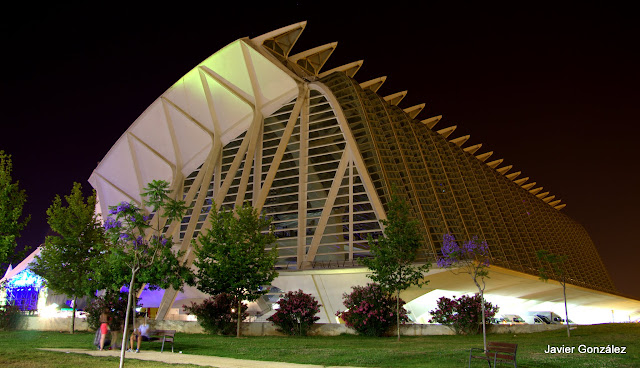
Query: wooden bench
[498, 352]
[164, 336]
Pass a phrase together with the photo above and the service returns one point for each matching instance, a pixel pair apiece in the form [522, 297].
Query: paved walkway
[202, 360]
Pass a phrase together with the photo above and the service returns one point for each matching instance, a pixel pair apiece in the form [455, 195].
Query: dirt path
[202, 360]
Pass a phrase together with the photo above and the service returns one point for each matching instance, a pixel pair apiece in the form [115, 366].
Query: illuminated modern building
[318, 152]
[28, 291]
[21, 287]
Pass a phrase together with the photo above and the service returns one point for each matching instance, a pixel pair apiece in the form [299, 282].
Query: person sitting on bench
[141, 334]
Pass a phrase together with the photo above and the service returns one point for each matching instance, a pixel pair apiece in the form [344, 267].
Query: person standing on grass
[104, 329]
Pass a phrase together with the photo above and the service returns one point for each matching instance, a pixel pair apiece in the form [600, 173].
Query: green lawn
[17, 349]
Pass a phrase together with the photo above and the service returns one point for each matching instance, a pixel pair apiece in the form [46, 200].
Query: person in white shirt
[141, 334]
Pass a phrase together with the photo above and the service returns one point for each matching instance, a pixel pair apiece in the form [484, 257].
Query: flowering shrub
[218, 315]
[463, 315]
[114, 304]
[9, 317]
[296, 314]
[371, 311]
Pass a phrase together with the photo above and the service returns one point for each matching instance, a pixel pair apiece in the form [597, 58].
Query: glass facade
[320, 210]
[451, 191]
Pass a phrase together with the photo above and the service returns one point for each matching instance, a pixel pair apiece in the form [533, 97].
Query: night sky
[554, 91]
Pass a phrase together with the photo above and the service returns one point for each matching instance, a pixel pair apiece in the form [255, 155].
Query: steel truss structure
[319, 153]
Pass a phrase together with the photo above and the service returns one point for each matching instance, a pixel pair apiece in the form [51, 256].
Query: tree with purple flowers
[139, 250]
[471, 258]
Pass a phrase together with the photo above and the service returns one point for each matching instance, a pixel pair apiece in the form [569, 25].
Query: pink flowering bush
[297, 313]
[371, 311]
[463, 315]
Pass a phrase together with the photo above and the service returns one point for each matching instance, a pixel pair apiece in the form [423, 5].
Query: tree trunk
[484, 331]
[239, 318]
[566, 312]
[134, 302]
[398, 312]
[114, 340]
[484, 328]
[73, 316]
[126, 319]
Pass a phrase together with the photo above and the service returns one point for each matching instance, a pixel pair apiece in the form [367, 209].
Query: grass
[18, 349]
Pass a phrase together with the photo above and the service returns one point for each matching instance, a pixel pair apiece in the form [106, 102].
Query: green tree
[552, 266]
[65, 261]
[12, 200]
[138, 252]
[232, 257]
[394, 254]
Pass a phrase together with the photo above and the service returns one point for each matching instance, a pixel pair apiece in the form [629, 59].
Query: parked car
[512, 319]
[546, 317]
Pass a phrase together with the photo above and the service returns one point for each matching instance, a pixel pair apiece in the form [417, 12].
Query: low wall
[268, 329]
[519, 329]
[53, 324]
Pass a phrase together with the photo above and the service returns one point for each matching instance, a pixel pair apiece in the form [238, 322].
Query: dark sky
[554, 91]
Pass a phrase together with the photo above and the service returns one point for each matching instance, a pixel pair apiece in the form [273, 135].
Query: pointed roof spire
[280, 41]
[395, 98]
[503, 170]
[446, 132]
[555, 203]
[521, 181]
[472, 149]
[493, 164]
[349, 69]
[535, 191]
[311, 61]
[373, 84]
[431, 122]
[9, 269]
[484, 156]
[413, 111]
[460, 140]
[542, 195]
[548, 199]
[559, 207]
[513, 175]
[528, 186]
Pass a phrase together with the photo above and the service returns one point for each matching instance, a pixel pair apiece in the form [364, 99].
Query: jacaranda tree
[552, 266]
[65, 261]
[138, 245]
[232, 258]
[394, 254]
[471, 258]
